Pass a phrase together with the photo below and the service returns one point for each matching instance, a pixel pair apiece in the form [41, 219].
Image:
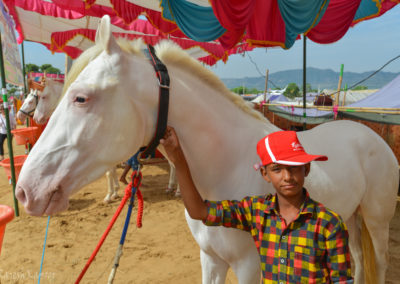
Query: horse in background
[114, 84]
[28, 107]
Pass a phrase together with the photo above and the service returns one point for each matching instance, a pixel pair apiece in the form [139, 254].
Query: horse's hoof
[177, 193]
[114, 197]
[169, 190]
[106, 201]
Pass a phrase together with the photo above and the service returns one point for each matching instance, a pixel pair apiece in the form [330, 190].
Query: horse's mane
[169, 53]
[80, 63]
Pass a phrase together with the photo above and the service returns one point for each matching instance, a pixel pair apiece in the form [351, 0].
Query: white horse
[29, 106]
[115, 85]
[41, 105]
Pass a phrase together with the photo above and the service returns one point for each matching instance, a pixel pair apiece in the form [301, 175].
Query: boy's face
[288, 181]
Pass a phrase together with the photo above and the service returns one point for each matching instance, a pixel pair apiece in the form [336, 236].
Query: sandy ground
[162, 251]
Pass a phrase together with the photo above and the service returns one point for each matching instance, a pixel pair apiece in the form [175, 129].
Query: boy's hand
[170, 142]
[123, 180]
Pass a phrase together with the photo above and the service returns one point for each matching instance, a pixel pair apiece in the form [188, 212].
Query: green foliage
[52, 70]
[309, 89]
[243, 90]
[292, 91]
[44, 67]
[31, 68]
[48, 68]
[358, 88]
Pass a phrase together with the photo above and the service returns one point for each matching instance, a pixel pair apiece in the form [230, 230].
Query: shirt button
[281, 282]
[282, 260]
[284, 238]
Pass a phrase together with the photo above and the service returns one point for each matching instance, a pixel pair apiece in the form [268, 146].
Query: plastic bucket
[26, 135]
[18, 162]
[6, 215]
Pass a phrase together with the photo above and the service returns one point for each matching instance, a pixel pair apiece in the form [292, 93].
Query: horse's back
[346, 134]
[361, 166]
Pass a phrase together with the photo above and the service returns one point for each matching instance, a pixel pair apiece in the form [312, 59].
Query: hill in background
[318, 78]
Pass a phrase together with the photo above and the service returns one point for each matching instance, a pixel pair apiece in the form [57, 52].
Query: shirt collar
[307, 207]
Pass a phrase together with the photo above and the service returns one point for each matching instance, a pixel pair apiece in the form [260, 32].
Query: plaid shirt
[311, 249]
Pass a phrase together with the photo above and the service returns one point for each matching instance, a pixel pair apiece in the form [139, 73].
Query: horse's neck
[218, 138]
[55, 91]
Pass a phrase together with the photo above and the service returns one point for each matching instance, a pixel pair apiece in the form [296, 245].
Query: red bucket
[26, 135]
[18, 162]
[6, 215]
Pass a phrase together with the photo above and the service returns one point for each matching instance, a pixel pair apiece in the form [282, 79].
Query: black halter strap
[30, 113]
[162, 118]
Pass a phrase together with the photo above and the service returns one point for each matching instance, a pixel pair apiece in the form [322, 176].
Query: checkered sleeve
[338, 255]
[230, 213]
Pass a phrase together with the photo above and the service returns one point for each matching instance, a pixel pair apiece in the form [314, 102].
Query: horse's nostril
[21, 196]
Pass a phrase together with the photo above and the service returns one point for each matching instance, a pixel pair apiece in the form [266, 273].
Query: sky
[365, 47]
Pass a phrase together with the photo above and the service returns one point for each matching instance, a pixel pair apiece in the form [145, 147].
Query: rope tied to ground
[130, 190]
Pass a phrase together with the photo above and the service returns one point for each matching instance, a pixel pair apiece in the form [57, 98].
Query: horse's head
[49, 98]
[98, 123]
[29, 105]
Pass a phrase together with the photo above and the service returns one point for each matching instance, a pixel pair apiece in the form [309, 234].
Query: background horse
[114, 85]
[29, 105]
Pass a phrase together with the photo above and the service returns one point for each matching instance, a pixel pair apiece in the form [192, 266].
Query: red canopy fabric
[69, 26]
[72, 27]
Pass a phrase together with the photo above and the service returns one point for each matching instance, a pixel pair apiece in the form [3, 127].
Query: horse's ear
[105, 37]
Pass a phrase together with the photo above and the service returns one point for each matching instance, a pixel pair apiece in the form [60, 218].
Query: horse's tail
[368, 255]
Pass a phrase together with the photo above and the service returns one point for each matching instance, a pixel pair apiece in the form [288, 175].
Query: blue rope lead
[122, 240]
[128, 216]
[44, 247]
[125, 229]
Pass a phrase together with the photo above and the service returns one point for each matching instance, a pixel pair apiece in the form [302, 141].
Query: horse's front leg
[114, 175]
[112, 184]
[221, 248]
[172, 183]
[214, 269]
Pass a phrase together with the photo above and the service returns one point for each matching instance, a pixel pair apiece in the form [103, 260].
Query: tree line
[48, 68]
[292, 90]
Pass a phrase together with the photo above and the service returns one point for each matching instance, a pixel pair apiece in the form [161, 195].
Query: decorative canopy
[211, 29]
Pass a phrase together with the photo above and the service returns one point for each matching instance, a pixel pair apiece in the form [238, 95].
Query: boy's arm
[338, 258]
[124, 173]
[194, 204]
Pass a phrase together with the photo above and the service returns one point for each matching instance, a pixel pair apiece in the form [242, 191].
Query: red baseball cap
[283, 147]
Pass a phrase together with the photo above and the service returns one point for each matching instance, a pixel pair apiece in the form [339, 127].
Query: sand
[162, 251]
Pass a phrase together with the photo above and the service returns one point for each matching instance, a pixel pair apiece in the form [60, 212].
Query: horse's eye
[80, 100]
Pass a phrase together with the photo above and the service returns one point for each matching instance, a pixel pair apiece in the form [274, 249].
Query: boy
[298, 239]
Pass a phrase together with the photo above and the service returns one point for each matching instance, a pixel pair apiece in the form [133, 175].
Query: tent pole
[339, 85]
[304, 82]
[9, 142]
[23, 66]
[265, 92]
[266, 86]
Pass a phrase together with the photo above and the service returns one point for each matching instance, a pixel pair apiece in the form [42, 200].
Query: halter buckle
[163, 86]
